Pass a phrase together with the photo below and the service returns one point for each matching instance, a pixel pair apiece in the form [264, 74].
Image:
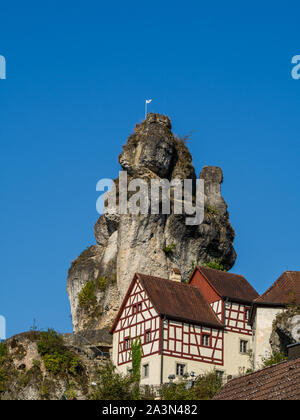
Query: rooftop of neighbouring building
[229, 285]
[285, 290]
[277, 382]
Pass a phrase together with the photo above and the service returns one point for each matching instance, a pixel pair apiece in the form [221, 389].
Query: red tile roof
[178, 301]
[230, 285]
[285, 290]
[278, 382]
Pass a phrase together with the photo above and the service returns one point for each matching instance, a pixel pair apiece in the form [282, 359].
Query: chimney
[175, 275]
[293, 351]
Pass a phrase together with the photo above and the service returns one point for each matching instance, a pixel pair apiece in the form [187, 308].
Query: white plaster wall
[262, 331]
[236, 363]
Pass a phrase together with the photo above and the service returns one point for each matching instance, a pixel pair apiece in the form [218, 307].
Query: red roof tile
[178, 301]
[233, 286]
[285, 290]
[278, 382]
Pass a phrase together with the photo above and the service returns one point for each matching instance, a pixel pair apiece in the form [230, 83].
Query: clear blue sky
[77, 76]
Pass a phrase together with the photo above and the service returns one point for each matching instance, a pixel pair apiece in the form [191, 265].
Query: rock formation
[152, 244]
[24, 375]
[286, 329]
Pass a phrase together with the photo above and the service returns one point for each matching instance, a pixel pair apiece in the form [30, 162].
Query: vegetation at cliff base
[112, 385]
[57, 359]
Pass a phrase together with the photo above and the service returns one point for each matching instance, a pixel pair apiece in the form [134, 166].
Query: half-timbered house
[183, 327]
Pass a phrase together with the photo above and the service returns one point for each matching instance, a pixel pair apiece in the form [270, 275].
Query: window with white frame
[180, 369]
[243, 346]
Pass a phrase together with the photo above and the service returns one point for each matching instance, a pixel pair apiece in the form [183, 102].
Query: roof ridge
[220, 271]
[273, 285]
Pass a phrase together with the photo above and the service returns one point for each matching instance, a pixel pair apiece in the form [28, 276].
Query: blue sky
[77, 76]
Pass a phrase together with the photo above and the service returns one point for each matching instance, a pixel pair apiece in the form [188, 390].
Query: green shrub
[3, 378]
[86, 296]
[113, 385]
[102, 283]
[57, 359]
[36, 364]
[174, 391]
[169, 249]
[3, 352]
[206, 386]
[212, 210]
[215, 264]
[275, 358]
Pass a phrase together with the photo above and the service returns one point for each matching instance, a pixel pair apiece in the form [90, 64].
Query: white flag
[148, 101]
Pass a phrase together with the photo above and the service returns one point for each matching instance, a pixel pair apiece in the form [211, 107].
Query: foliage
[70, 394]
[204, 388]
[102, 283]
[112, 385]
[169, 249]
[275, 358]
[212, 210]
[3, 352]
[44, 391]
[36, 364]
[57, 359]
[86, 296]
[174, 391]
[136, 356]
[215, 264]
[3, 378]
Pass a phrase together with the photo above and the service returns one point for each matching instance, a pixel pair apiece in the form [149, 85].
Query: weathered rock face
[286, 330]
[151, 243]
[23, 375]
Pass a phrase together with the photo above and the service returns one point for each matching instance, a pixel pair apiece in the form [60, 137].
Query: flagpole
[145, 108]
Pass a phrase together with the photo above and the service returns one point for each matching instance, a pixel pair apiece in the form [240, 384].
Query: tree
[136, 356]
[113, 385]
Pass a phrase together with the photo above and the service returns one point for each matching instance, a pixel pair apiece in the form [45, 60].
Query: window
[243, 346]
[247, 314]
[146, 370]
[147, 336]
[140, 307]
[126, 343]
[205, 340]
[180, 369]
[134, 309]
